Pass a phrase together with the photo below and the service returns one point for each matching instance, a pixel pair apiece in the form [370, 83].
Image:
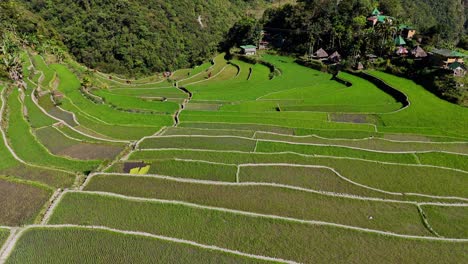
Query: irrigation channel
[182, 106]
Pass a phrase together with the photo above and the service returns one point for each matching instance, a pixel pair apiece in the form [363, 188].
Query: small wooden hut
[335, 57]
[418, 52]
[249, 50]
[320, 54]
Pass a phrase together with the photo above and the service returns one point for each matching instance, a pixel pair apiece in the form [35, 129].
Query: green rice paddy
[280, 161]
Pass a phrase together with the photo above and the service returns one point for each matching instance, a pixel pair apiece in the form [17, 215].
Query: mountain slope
[140, 36]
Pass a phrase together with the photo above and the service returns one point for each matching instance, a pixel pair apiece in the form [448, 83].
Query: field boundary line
[268, 184]
[303, 155]
[425, 221]
[267, 216]
[10, 149]
[160, 237]
[319, 129]
[10, 243]
[364, 139]
[51, 204]
[211, 78]
[310, 144]
[69, 126]
[97, 120]
[332, 157]
[71, 113]
[205, 162]
[39, 142]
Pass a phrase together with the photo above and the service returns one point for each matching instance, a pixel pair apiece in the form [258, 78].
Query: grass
[69, 85]
[275, 238]
[28, 148]
[132, 103]
[21, 201]
[46, 103]
[449, 119]
[187, 169]
[172, 131]
[444, 160]
[79, 245]
[219, 64]
[49, 73]
[398, 218]
[285, 119]
[59, 144]
[388, 177]
[4, 233]
[448, 221]
[35, 116]
[151, 93]
[111, 131]
[319, 179]
[265, 146]
[371, 143]
[194, 142]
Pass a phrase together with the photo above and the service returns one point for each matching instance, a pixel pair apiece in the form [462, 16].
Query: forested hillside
[342, 25]
[141, 36]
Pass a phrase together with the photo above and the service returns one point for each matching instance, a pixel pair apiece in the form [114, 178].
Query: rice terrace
[242, 158]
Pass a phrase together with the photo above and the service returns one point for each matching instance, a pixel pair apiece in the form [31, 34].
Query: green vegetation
[79, 245]
[21, 201]
[232, 231]
[194, 142]
[389, 177]
[28, 148]
[189, 169]
[394, 217]
[59, 144]
[3, 235]
[439, 216]
[141, 37]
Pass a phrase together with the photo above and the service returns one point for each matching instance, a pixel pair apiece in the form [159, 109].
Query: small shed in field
[249, 50]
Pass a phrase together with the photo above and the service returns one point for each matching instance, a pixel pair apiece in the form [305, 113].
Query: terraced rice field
[229, 162]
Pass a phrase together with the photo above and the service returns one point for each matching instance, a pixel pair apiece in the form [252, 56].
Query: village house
[445, 57]
[407, 32]
[378, 17]
[419, 53]
[249, 50]
[335, 57]
[320, 54]
[459, 70]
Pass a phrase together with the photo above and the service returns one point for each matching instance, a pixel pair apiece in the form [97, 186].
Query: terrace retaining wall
[382, 85]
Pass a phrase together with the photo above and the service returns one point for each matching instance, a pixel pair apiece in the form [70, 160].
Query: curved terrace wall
[382, 85]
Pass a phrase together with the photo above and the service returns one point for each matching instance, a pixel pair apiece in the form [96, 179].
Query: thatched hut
[359, 66]
[418, 52]
[335, 57]
[320, 54]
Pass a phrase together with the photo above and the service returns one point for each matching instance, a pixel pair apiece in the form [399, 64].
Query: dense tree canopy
[341, 25]
[141, 36]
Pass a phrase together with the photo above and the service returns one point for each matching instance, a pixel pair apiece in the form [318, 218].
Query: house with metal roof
[406, 31]
[249, 50]
[445, 57]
